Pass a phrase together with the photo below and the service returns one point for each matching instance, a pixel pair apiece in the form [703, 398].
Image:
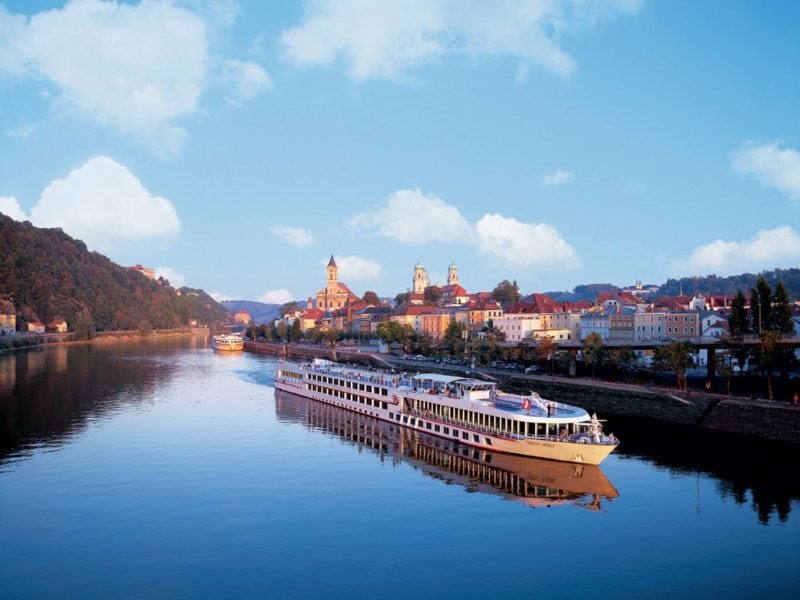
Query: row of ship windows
[348, 396]
[355, 385]
[433, 427]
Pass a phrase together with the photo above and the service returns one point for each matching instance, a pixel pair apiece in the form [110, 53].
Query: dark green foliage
[49, 274]
[295, 333]
[737, 322]
[371, 298]
[433, 294]
[715, 285]
[781, 317]
[506, 292]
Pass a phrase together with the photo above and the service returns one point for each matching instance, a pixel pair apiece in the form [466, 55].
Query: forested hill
[714, 285]
[50, 274]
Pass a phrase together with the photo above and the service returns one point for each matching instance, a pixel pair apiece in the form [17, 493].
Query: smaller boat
[228, 342]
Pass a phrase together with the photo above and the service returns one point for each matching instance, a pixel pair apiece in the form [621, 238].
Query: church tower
[421, 279]
[333, 273]
[452, 274]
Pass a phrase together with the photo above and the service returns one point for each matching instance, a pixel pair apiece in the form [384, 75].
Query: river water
[163, 470]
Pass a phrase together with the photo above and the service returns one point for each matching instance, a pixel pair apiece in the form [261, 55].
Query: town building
[57, 325]
[420, 280]
[682, 325]
[595, 321]
[335, 294]
[242, 316]
[648, 325]
[8, 316]
[482, 314]
[36, 327]
[621, 325]
[146, 271]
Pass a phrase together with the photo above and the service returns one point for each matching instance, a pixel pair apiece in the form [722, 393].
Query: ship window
[455, 432]
[391, 415]
[384, 405]
[413, 421]
[465, 435]
[405, 419]
[428, 425]
[436, 428]
[398, 417]
[475, 438]
[447, 431]
[487, 441]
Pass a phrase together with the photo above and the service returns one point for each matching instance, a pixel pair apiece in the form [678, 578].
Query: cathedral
[334, 295]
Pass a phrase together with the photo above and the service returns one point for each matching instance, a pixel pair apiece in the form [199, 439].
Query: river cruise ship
[532, 481]
[228, 342]
[471, 411]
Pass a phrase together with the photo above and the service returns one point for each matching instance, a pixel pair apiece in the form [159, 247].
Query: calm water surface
[162, 470]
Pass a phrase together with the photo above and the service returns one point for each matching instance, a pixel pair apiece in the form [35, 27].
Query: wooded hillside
[51, 274]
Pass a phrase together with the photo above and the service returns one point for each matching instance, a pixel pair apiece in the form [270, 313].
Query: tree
[737, 321]
[781, 317]
[453, 339]
[768, 356]
[433, 294]
[402, 298]
[330, 336]
[286, 307]
[506, 292]
[762, 309]
[371, 298]
[675, 356]
[295, 333]
[546, 348]
[281, 331]
[593, 350]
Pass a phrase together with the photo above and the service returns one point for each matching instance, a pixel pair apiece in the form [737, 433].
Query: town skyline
[234, 146]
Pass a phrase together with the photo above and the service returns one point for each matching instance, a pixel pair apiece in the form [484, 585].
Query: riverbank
[57, 339]
[764, 419]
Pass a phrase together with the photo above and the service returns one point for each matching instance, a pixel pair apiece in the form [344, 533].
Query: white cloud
[176, 280]
[220, 297]
[384, 40]
[356, 268]
[294, 235]
[11, 208]
[524, 244]
[772, 165]
[281, 296]
[767, 249]
[105, 205]
[557, 177]
[244, 79]
[137, 68]
[414, 218]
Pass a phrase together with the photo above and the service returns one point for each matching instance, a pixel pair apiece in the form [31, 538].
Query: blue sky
[235, 145]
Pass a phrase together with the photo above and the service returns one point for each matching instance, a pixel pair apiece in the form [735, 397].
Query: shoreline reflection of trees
[767, 470]
[534, 482]
[48, 395]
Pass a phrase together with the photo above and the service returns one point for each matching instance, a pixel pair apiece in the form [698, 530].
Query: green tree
[433, 294]
[453, 340]
[390, 331]
[737, 321]
[506, 292]
[295, 333]
[402, 298]
[286, 307]
[593, 350]
[762, 308]
[282, 331]
[546, 349]
[769, 356]
[781, 316]
[676, 357]
[371, 298]
[330, 337]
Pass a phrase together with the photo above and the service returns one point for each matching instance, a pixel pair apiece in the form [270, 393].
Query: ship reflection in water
[533, 481]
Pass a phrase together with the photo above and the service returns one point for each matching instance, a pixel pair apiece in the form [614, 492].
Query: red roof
[619, 297]
[313, 313]
[414, 310]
